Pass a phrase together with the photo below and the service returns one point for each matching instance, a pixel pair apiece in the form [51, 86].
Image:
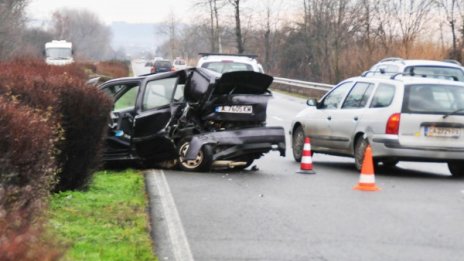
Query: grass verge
[107, 222]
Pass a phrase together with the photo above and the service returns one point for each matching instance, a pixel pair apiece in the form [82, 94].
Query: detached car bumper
[384, 147]
[241, 142]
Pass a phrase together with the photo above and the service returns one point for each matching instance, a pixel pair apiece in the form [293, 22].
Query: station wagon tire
[298, 138]
[359, 150]
[203, 161]
[456, 168]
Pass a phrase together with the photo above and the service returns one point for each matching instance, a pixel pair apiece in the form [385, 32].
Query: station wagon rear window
[227, 66]
[433, 99]
[446, 73]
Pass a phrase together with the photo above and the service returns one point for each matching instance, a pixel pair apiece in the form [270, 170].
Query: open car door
[159, 99]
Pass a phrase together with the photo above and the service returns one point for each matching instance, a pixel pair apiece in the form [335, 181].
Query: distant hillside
[136, 38]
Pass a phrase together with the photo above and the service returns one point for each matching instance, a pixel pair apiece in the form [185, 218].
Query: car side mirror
[311, 102]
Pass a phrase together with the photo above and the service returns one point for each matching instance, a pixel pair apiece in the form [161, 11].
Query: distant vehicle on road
[162, 66]
[179, 63]
[194, 118]
[402, 118]
[58, 52]
[223, 63]
[448, 69]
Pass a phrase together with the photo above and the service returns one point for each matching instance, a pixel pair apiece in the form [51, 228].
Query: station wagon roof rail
[424, 75]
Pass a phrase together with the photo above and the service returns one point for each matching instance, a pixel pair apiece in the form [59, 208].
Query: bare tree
[238, 29]
[90, 37]
[450, 7]
[11, 26]
[215, 32]
[172, 26]
[410, 17]
[34, 40]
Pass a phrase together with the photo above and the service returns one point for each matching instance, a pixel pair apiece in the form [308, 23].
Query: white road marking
[277, 118]
[462, 191]
[180, 246]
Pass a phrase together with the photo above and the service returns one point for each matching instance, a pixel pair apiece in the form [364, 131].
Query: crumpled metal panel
[266, 137]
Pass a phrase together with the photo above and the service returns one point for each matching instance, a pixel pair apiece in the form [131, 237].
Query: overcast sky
[133, 11]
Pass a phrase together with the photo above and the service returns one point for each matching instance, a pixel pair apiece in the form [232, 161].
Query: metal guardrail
[303, 84]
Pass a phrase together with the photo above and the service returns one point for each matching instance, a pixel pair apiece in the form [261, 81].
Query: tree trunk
[238, 29]
[212, 31]
[218, 31]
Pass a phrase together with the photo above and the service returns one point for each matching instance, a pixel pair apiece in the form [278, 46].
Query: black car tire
[203, 161]
[359, 150]
[456, 168]
[298, 138]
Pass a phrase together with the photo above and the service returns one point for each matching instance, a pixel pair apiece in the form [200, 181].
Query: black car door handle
[329, 118]
[355, 118]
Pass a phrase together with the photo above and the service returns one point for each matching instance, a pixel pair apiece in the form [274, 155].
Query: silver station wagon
[401, 117]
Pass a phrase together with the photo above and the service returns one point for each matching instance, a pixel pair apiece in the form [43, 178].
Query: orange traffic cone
[306, 166]
[367, 178]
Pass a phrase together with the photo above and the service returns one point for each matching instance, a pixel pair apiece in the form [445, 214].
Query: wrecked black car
[194, 119]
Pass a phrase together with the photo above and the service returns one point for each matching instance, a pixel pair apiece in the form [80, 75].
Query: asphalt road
[275, 214]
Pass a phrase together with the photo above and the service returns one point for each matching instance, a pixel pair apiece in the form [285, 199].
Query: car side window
[334, 98]
[383, 96]
[113, 90]
[158, 93]
[127, 99]
[358, 96]
[179, 93]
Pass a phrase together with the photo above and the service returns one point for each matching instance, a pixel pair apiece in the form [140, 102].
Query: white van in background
[58, 52]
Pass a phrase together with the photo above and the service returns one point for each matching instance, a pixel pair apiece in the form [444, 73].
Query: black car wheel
[456, 168]
[298, 143]
[202, 162]
[359, 150]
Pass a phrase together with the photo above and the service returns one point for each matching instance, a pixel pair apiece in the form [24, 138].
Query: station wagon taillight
[393, 124]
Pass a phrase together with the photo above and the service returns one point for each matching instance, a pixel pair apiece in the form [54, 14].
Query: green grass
[107, 222]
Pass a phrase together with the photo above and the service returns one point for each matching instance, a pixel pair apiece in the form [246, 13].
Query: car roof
[418, 62]
[132, 78]
[404, 80]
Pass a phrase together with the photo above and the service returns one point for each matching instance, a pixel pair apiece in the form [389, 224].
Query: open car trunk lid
[242, 82]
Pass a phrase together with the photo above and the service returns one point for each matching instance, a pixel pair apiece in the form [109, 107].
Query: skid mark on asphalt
[179, 243]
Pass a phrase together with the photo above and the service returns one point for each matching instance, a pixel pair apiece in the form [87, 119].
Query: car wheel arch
[357, 136]
[296, 125]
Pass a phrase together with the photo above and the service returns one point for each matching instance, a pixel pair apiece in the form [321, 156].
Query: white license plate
[245, 109]
[442, 132]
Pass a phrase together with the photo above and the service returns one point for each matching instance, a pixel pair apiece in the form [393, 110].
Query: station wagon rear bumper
[391, 148]
[239, 142]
